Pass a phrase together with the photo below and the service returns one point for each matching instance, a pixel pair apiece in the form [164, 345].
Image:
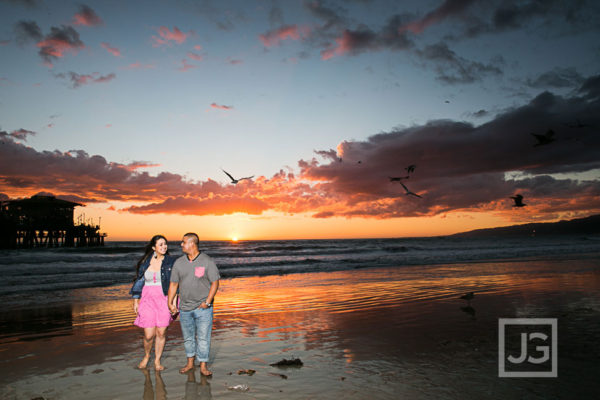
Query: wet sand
[368, 333]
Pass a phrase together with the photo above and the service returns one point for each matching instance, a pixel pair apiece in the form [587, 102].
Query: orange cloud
[165, 36]
[221, 107]
[87, 17]
[112, 50]
[194, 56]
[274, 37]
[58, 42]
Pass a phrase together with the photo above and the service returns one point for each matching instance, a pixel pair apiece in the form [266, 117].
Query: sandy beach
[379, 333]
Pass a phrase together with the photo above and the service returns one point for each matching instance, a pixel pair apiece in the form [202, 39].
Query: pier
[45, 221]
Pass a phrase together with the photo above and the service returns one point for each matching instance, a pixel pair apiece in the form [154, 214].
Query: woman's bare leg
[159, 347]
[149, 334]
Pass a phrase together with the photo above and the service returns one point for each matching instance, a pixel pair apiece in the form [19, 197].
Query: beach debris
[246, 372]
[97, 371]
[239, 388]
[342, 378]
[518, 201]
[233, 180]
[547, 138]
[292, 362]
[408, 192]
[38, 398]
[282, 376]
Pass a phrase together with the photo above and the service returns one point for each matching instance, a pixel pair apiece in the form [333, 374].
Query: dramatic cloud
[19, 134]
[132, 166]
[557, 78]
[27, 31]
[363, 39]
[453, 69]
[165, 36]
[87, 17]
[78, 80]
[272, 38]
[459, 167]
[448, 8]
[221, 107]
[112, 50]
[58, 42]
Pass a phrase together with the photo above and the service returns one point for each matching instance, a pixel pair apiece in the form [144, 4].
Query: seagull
[397, 178]
[544, 139]
[518, 201]
[408, 192]
[233, 180]
[410, 168]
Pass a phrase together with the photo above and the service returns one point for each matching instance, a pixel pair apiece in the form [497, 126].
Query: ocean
[51, 273]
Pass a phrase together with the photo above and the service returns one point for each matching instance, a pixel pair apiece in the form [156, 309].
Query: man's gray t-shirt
[194, 278]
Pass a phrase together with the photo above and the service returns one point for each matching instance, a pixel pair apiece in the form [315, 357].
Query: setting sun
[234, 239]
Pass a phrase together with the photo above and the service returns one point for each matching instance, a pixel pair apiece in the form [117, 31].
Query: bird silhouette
[410, 168]
[518, 201]
[408, 192]
[397, 178]
[468, 297]
[544, 139]
[233, 180]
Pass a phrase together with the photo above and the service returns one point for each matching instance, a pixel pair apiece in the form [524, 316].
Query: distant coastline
[580, 226]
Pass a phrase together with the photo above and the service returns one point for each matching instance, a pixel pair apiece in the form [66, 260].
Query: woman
[153, 275]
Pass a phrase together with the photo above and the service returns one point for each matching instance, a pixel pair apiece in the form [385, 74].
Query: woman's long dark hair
[148, 252]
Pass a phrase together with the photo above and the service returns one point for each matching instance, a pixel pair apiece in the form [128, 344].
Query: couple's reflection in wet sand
[194, 390]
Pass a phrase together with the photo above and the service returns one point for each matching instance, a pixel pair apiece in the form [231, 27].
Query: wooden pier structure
[45, 221]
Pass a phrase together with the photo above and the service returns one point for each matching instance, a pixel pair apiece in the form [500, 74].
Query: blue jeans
[196, 326]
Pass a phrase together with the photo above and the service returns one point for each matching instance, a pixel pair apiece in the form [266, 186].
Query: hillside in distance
[580, 226]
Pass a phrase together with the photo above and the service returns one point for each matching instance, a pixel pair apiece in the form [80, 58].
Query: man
[197, 277]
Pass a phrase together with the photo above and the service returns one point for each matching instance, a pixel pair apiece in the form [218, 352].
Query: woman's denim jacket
[165, 276]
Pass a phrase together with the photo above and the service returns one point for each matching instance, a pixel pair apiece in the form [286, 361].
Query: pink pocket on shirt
[199, 272]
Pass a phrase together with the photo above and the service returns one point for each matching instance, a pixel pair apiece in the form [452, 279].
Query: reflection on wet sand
[197, 390]
[149, 392]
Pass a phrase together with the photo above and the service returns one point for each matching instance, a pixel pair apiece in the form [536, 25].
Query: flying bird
[410, 168]
[397, 178]
[518, 201]
[233, 180]
[408, 192]
[544, 139]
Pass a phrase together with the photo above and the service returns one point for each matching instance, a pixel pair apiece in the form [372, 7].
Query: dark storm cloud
[453, 69]
[557, 78]
[27, 31]
[446, 9]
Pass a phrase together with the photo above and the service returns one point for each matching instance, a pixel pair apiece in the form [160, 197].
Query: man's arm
[173, 286]
[214, 286]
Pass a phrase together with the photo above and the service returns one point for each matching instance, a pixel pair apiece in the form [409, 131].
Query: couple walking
[159, 278]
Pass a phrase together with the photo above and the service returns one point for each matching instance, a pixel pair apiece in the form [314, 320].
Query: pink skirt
[153, 310]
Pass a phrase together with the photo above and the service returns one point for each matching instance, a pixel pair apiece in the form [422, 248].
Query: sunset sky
[133, 107]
